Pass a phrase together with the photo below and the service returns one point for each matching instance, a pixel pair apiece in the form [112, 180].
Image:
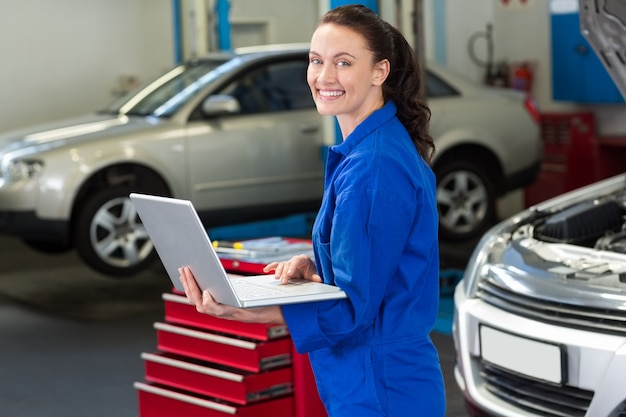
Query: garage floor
[71, 339]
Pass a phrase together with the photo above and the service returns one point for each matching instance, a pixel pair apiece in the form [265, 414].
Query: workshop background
[68, 57]
[64, 58]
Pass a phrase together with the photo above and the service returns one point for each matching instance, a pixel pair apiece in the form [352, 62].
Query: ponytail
[404, 86]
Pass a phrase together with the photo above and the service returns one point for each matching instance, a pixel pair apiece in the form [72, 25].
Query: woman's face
[343, 78]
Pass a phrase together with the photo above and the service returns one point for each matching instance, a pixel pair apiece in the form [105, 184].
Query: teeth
[331, 93]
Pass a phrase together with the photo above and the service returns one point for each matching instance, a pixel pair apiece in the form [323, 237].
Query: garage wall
[528, 31]
[460, 26]
[64, 57]
[521, 32]
[255, 21]
[252, 22]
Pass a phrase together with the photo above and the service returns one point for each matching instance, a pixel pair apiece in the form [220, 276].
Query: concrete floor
[71, 339]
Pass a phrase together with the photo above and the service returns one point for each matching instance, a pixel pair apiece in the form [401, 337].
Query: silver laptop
[180, 239]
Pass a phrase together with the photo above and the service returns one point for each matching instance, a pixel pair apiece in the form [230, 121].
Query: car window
[436, 87]
[278, 86]
[164, 95]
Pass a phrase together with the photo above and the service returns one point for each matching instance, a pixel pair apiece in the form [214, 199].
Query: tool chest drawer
[212, 380]
[159, 401]
[179, 310]
[240, 353]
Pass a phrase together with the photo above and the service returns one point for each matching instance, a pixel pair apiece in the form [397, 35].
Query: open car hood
[603, 24]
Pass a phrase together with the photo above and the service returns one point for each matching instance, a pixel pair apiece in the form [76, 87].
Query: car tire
[109, 236]
[466, 200]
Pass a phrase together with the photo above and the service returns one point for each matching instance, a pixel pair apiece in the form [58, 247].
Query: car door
[267, 154]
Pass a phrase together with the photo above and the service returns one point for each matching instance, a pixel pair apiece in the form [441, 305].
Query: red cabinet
[574, 155]
[206, 367]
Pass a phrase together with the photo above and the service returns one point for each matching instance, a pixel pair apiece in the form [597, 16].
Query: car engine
[594, 224]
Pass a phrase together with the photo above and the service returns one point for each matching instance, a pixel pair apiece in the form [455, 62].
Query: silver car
[540, 323]
[238, 134]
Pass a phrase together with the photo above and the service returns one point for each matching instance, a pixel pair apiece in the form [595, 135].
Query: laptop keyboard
[247, 290]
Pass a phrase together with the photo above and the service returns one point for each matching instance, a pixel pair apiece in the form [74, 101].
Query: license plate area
[532, 358]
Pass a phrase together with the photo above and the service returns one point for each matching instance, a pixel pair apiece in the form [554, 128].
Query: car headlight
[22, 169]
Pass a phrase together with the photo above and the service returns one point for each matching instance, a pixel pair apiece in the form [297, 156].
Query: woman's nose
[326, 73]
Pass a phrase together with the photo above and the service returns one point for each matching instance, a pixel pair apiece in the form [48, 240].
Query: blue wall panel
[372, 4]
[577, 73]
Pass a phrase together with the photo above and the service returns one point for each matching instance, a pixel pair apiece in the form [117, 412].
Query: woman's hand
[298, 267]
[206, 304]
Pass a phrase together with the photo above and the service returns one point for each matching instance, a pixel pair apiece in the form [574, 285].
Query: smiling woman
[375, 235]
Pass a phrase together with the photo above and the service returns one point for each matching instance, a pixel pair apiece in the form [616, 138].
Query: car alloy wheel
[465, 201]
[109, 235]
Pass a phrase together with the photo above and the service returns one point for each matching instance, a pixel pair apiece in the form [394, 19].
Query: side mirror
[220, 104]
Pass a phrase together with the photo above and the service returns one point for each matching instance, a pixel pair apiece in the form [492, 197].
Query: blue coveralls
[375, 236]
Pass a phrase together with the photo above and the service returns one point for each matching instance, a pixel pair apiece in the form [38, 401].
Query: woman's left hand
[206, 304]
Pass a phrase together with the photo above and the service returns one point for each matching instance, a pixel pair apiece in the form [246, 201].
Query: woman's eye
[315, 61]
[343, 64]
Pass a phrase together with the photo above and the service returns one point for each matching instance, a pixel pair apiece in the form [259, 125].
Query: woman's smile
[330, 94]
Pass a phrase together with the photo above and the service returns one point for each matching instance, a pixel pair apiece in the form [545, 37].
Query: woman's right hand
[297, 268]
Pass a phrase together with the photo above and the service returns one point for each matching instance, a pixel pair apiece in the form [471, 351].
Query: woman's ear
[381, 71]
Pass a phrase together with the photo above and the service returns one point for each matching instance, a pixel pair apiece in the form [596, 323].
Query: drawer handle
[175, 298]
[205, 336]
[191, 367]
[185, 398]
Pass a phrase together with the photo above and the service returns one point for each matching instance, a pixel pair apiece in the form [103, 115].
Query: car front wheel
[109, 235]
[465, 200]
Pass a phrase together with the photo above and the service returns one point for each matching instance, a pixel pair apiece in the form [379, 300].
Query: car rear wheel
[465, 200]
[109, 236]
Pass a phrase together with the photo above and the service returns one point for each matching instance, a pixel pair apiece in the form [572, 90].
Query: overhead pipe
[222, 9]
[178, 33]
[439, 35]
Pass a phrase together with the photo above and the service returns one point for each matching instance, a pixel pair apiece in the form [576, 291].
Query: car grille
[536, 397]
[563, 314]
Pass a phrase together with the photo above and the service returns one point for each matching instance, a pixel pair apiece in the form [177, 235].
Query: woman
[375, 235]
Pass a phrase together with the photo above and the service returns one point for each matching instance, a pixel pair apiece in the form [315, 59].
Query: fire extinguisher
[522, 77]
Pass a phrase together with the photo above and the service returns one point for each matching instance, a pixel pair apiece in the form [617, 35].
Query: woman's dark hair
[404, 84]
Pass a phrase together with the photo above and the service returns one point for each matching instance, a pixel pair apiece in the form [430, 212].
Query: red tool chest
[574, 155]
[205, 366]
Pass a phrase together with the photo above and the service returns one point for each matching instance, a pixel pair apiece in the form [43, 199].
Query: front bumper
[30, 210]
[26, 225]
[593, 366]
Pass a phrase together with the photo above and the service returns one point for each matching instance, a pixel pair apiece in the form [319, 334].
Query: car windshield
[164, 95]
